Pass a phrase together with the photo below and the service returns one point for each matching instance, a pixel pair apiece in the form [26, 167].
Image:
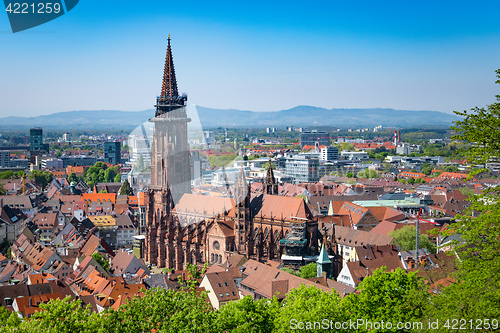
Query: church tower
[270, 186]
[170, 150]
[170, 168]
[242, 212]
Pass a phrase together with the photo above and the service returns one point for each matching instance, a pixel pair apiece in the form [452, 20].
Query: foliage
[73, 178]
[247, 315]
[100, 173]
[101, 260]
[350, 175]
[166, 311]
[118, 178]
[309, 304]
[388, 297]
[308, 271]
[427, 169]
[266, 165]
[290, 271]
[481, 128]
[411, 180]
[476, 293]
[406, 238]
[221, 160]
[451, 168]
[368, 173]
[8, 174]
[2, 189]
[42, 177]
[140, 163]
[126, 189]
[465, 190]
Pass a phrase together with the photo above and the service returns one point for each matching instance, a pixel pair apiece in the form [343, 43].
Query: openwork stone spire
[169, 85]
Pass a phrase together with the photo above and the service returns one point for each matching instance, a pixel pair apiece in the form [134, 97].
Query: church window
[216, 245]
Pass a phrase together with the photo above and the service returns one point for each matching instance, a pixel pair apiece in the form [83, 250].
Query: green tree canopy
[476, 292]
[390, 297]
[368, 173]
[100, 260]
[126, 189]
[406, 238]
[308, 271]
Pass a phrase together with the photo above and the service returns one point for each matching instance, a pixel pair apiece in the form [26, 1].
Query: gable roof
[352, 237]
[277, 207]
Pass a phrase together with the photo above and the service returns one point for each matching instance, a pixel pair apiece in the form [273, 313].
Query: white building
[329, 153]
[354, 155]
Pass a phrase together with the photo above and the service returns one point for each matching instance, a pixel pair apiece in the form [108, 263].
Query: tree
[140, 164]
[368, 173]
[100, 260]
[411, 180]
[42, 177]
[165, 311]
[2, 189]
[126, 189]
[451, 168]
[290, 271]
[118, 178]
[406, 237]
[476, 291]
[308, 304]
[465, 190]
[388, 297]
[308, 271]
[247, 315]
[420, 181]
[350, 175]
[8, 174]
[427, 169]
[73, 178]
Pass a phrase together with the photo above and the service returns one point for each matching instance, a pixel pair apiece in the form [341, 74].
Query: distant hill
[209, 118]
[314, 116]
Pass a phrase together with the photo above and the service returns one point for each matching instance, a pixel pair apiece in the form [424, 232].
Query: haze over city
[255, 56]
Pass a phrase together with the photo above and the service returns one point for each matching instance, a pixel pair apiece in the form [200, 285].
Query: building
[302, 169]
[112, 152]
[184, 228]
[36, 140]
[209, 137]
[354, 155]
[4, 159]
[329, 153]
[37, 147]
[311, 137]
[52, 163]
[67, 137]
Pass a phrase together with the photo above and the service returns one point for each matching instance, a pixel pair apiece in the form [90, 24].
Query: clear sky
[255, 55]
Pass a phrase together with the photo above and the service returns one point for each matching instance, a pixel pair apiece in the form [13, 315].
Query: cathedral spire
[169, 85]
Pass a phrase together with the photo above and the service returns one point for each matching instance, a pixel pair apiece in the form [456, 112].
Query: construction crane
[23, 177]
[417, 236]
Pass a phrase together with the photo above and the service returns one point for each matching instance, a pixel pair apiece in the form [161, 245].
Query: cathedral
[184, 228]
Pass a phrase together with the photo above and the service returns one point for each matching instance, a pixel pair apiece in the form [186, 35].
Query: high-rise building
[37, 147]
[311, 137]
[4, 159]
[36, 139]
[112, 152]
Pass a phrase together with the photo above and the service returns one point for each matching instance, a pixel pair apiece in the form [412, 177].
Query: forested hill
[299, 116]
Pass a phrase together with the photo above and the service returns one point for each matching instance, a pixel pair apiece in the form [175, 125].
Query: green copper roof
[323, 256]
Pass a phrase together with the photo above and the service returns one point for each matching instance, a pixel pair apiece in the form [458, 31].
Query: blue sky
[261, 56]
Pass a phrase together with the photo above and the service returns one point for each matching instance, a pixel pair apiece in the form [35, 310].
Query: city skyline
[264, 57]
